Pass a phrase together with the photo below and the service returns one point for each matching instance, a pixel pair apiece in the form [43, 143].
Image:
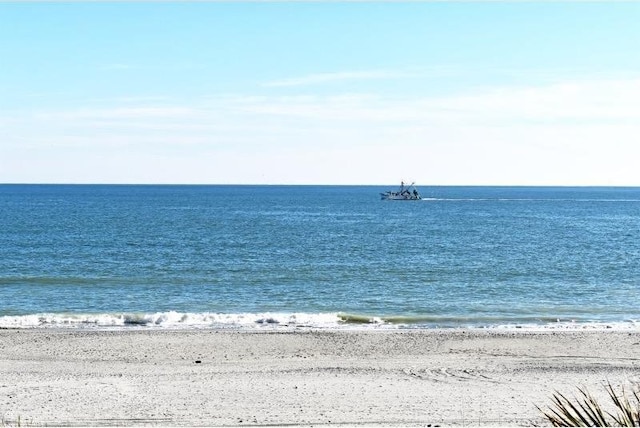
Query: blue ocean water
[319, 256]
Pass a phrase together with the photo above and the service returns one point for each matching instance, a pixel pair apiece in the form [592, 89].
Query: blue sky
[478, 93]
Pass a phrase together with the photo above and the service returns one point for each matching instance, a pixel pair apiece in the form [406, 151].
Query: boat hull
[394, 197]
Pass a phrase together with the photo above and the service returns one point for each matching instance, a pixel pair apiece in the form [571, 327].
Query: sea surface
[335, 257]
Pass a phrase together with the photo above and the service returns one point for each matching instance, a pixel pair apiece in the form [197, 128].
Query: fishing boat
[404, 193]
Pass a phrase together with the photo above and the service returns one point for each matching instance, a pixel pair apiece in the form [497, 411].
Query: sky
[299, 92]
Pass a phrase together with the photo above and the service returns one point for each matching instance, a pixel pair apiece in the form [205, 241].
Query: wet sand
[243, 378]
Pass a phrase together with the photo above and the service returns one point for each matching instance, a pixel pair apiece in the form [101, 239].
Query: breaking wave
[170, 319]
[267, 320]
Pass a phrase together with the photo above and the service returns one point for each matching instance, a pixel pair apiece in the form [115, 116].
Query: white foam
[174, 319]
[274, 320]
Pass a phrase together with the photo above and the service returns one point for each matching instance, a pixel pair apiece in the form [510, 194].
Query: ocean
[330, 257]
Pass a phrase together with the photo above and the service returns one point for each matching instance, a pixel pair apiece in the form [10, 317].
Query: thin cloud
[607, 100]
[607, 104]
[321, 78]
[119, 113]
[570, 101]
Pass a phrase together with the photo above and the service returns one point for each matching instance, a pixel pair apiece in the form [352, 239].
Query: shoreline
[231, 377]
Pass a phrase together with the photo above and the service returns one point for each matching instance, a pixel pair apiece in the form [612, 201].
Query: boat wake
[525, 200]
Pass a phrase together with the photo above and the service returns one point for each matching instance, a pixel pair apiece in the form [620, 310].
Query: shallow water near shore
[318, 256]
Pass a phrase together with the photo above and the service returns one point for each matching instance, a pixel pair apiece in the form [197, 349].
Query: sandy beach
[304, 378]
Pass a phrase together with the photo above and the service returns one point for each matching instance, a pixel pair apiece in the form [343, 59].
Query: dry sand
[243, 378]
